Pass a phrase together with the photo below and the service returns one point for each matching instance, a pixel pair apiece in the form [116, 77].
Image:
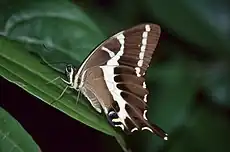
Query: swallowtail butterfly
[112, 78]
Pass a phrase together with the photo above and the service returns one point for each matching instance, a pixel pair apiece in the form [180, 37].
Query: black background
[51, 129]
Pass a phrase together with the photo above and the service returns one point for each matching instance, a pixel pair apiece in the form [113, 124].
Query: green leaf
[26, 71]
[13, 137]
[61, 26]
[56, 31]
[203, 22]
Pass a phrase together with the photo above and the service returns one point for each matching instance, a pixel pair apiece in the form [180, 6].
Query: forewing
[134, 47]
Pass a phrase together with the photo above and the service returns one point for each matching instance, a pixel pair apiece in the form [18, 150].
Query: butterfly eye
[69, 68]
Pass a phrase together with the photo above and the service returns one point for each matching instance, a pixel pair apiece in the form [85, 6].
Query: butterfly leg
[59, 97]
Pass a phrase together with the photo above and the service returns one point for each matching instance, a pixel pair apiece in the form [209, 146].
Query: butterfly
[112, 78]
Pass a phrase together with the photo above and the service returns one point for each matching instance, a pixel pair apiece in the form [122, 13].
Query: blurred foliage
[189, 78]
[13, 136]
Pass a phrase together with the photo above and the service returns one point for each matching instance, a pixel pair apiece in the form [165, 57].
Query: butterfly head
[70, 73]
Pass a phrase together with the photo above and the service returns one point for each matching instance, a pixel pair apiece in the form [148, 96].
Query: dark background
[47, 125]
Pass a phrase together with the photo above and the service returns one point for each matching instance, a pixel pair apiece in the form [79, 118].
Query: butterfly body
[112, 77]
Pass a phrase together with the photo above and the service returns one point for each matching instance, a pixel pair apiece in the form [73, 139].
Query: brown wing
[134, 91]
[122, 61]
[139, 45]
